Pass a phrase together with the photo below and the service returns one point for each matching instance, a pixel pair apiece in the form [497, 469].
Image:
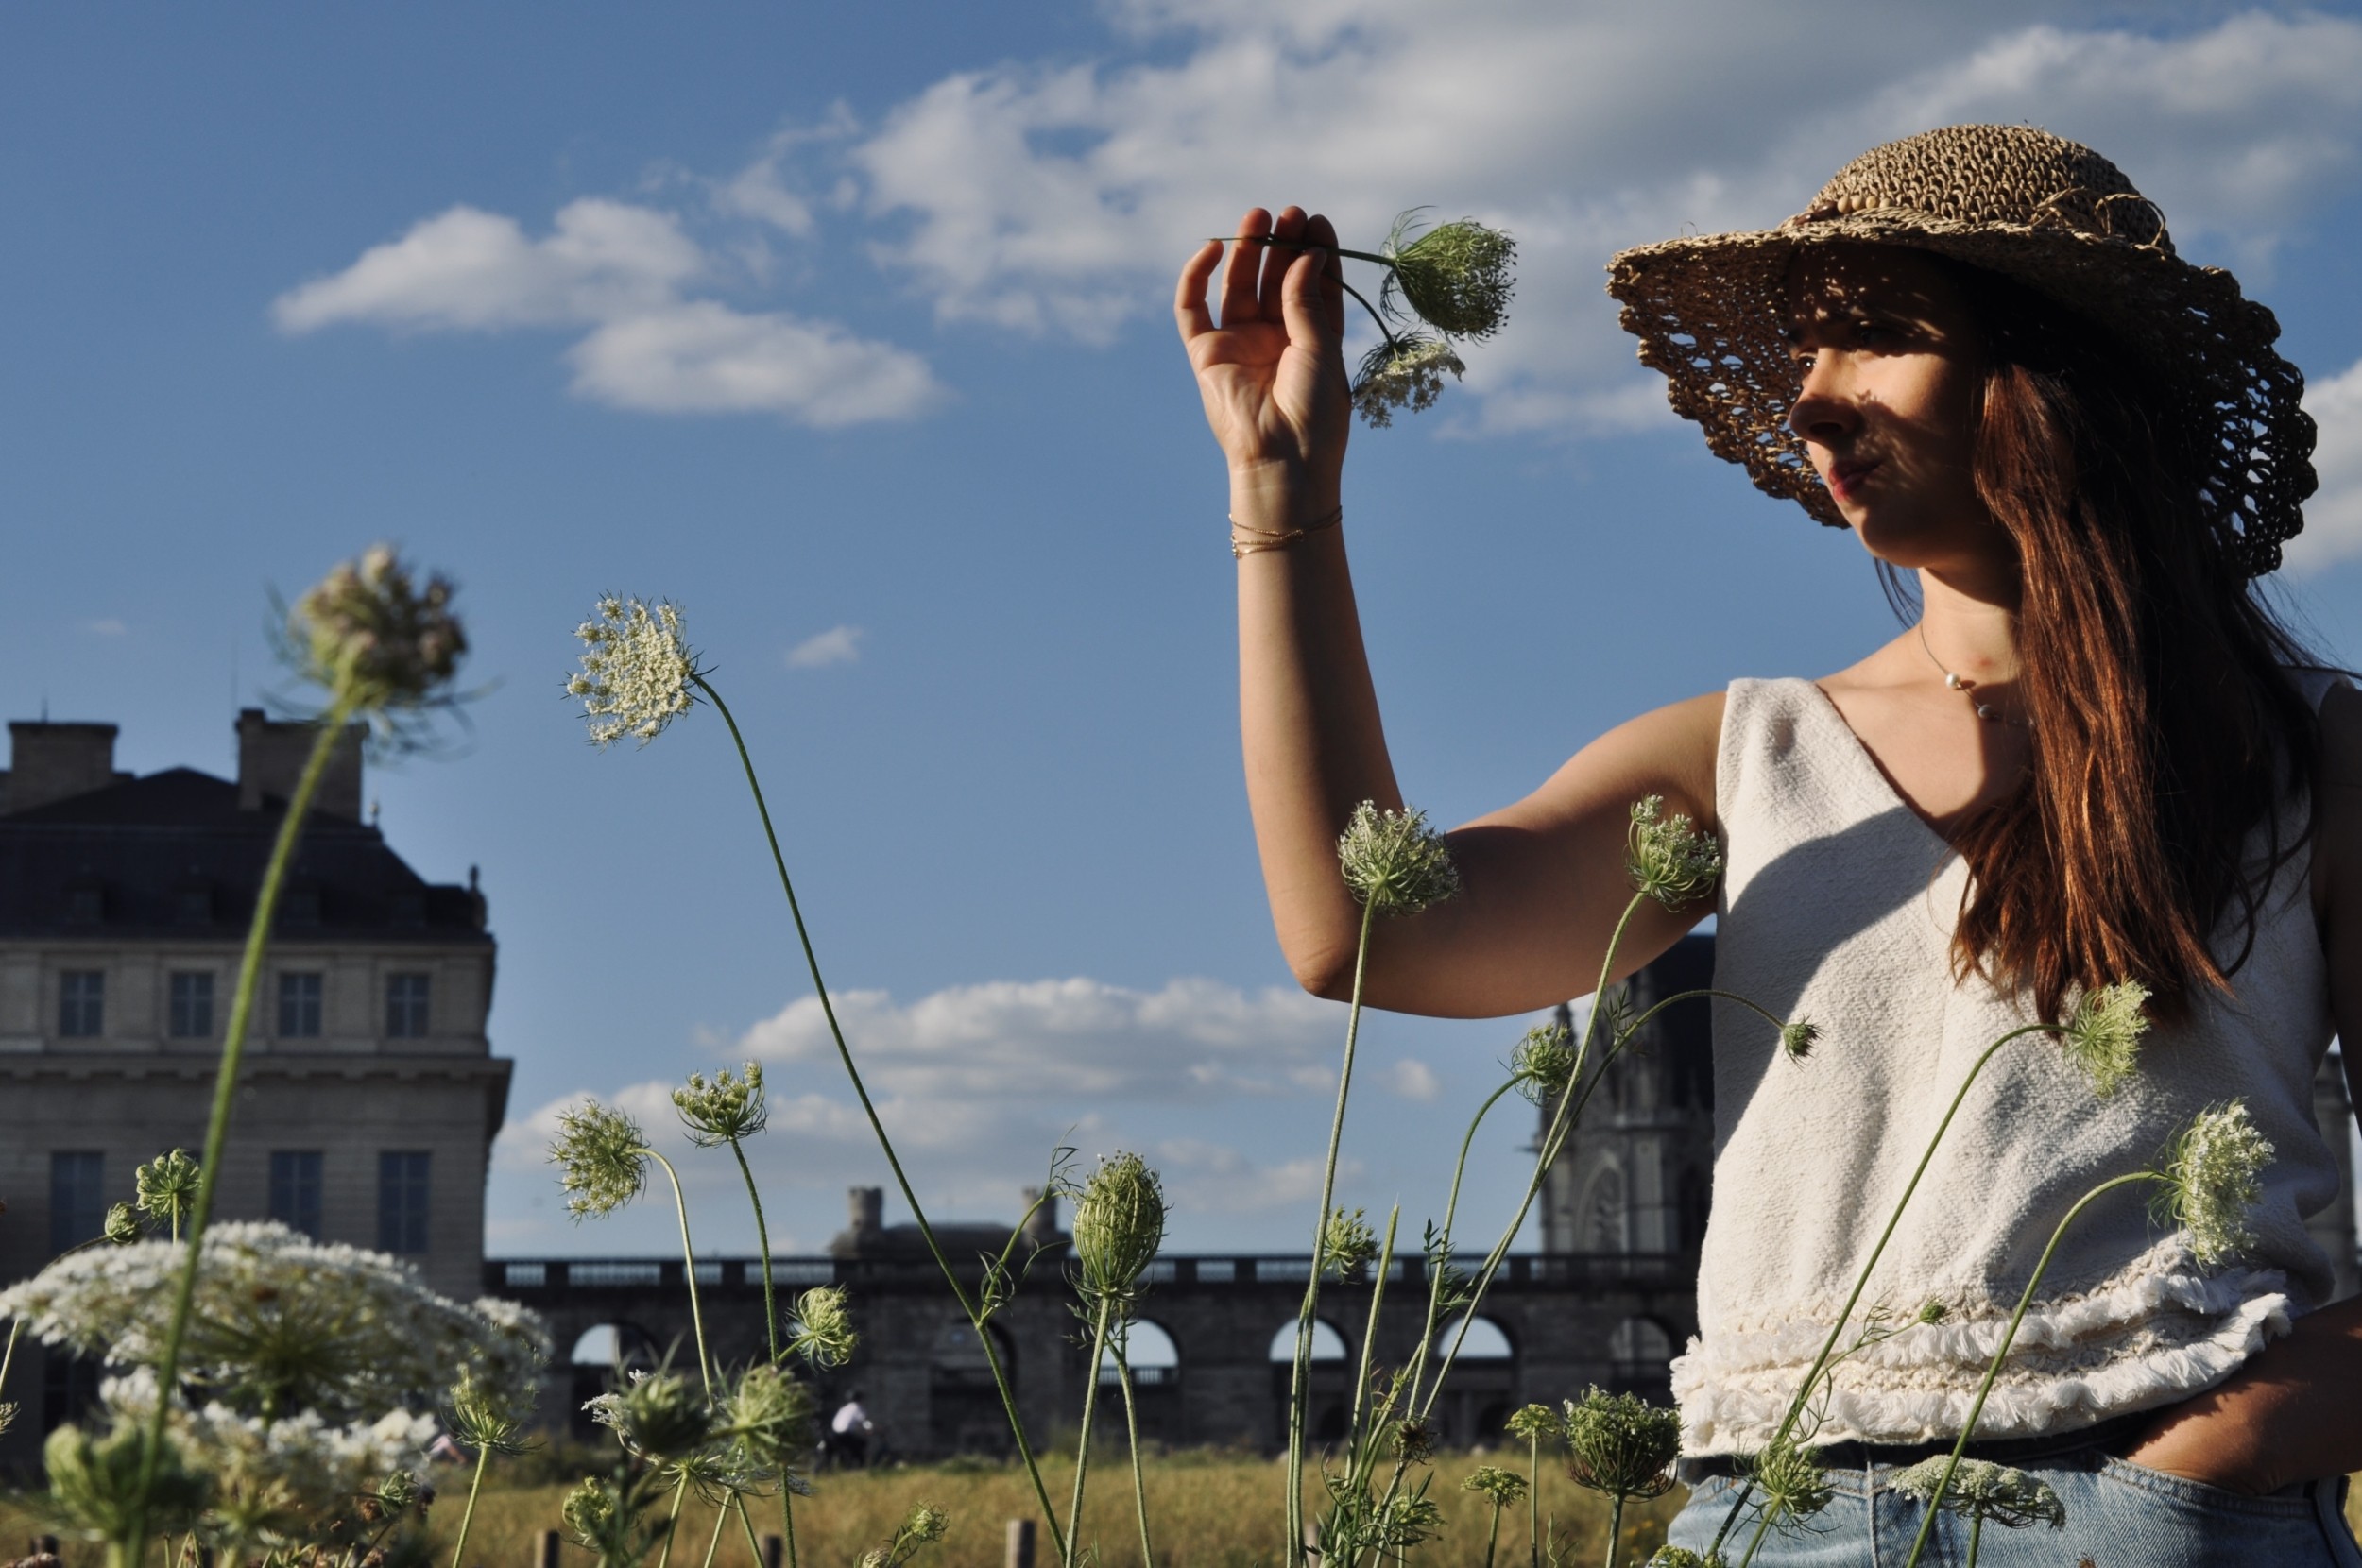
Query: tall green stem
[1354, 1433]
[1534, 1500]
[1301, 1375]
[673, 1523]
[16, 1326]
[876, 1127]
[1993, 1370]
[688, 1271]
[1861, 1282]
[1493, 1537]
[1615, 1529]
[332, 724]
[482, 1458]
[1132, 1439]
[721, 1517]
[763, 1242]
[1083, 1443]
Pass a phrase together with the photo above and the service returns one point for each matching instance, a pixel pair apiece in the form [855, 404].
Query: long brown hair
[2165, 729]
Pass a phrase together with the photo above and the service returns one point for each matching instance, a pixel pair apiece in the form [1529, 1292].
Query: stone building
[371, 1095]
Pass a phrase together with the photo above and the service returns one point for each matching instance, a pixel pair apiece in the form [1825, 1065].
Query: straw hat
[1709, 312]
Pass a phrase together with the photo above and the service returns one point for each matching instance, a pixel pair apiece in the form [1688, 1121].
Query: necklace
[1961, 684]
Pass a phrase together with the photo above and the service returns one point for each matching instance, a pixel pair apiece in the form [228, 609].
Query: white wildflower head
[165, 1187]
[2103, 1037]
[1503, 1487]
[602, 1157]
[1982, 1489]
[1347, 1245]
[1791, 1483]
[1668, 857]
[637, 669]
[824, 1326]
[1543, 1062]
[1535, 1422]
[1622, 1445]
[659, 1416]
[1394, 862]
[281, 1322]
[1406, 370]
[724, 1110]
[1118, 1225]
[378, 638]
[1455, 276]
[2214, 1170]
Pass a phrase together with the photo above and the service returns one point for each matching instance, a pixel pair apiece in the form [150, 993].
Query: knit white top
[1838, 906]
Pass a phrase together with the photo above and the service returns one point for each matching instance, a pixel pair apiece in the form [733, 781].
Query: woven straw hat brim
[1710, 312]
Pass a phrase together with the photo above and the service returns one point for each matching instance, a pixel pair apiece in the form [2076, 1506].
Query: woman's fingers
[1247, 266]
[1319, 230]
[1277, 258]
[1189, 313]
[1303, 305]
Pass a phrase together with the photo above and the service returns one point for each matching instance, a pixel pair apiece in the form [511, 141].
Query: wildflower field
[1212, 1511]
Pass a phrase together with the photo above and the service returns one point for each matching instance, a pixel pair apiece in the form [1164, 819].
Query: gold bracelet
[1264, 538]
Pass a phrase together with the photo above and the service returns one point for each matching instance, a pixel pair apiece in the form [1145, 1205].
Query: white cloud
[1215, 1176]
[619, 270]
[106, 625]
[1413, 1080]
[2333, 519]
[1060, 199]
[1068, 1040]
[837, 646]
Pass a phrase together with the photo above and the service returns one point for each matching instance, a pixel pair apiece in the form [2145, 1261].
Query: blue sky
[846, 328]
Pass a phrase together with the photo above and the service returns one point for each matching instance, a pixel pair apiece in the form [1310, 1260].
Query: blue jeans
[2118, 1515]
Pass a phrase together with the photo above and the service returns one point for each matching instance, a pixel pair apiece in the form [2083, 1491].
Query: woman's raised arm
[1544, 880]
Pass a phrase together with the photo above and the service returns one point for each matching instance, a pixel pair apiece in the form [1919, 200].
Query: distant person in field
[849, 1431]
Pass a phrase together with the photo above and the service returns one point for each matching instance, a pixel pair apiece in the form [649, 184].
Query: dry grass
[1207, 1510]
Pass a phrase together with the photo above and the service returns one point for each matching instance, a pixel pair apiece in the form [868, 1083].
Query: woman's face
[1888, 409]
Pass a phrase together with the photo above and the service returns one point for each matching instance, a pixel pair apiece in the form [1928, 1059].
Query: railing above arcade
[1209, 1272]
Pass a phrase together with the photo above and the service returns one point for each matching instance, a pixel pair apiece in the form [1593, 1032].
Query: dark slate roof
[172, 856]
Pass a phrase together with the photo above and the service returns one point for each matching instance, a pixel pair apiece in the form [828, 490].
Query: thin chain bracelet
[1264, 538]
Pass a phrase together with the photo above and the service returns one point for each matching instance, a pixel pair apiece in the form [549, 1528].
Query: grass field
[1208, 1511]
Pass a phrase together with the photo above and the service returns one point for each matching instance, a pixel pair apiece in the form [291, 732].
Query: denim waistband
[1874, 1455]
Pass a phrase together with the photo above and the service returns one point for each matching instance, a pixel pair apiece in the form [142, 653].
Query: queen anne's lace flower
[1406, 370]
[1622, 1445]
[1533, 1422]
[636, 670]
[1543, 1062]
[603, 1159]
[165, 1188]
[1118, 1225]
[724, 1110]
[281, 1322]
[2103, 1037]
[2214, 1171]
[372, 635]
[1456, 276]
[1790, 1482]
[1347, 1244]
[824, 1326]
[1982, 1489]
[659, 1416]
[1394, 862]
[1504, 1486]
[1668, 857]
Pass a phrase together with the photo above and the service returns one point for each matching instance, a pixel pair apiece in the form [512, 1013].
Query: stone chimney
[271, 755]
[865, 1222]
[1041, 1224]
[55, 762]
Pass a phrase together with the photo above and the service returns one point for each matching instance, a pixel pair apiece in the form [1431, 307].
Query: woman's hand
[1272, 374]
[2286, 1416]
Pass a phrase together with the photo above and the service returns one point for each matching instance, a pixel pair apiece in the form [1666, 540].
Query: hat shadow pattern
[1710, 312]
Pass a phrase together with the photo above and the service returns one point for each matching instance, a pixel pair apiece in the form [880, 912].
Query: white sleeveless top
[1838, 905]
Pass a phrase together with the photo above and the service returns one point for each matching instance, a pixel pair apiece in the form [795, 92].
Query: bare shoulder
[1669, 751]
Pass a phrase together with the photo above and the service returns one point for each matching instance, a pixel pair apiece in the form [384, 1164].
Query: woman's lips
[1845, 477]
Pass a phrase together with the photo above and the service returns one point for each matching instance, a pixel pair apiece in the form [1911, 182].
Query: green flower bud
[770, 1413]
[1118, 1225]
[1543, 1062]
[1533, 1422]
[1621, 1444]
[1504, 1486]
[659, 1417]
[1798, 1039]
[724, 1111]
[1456, 276]
[93, 1482]
[1791, 1482]
[2103, 1037]
[824, 1327]
[165, 1187]
[1347, 1245]
[123, 1226]
[376, 638]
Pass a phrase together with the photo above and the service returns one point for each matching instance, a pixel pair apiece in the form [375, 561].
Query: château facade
[369, 1095]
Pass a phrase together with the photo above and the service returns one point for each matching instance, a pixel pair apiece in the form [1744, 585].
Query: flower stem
[482, 1458]
[1615, 1529]
[1493, 1537]
[1083, 1443]
[673, 1523]
[1301, 1376]
[689, 1273]
[1354, 1433]
[721, 1517]
[16, 1326]
[1861, 1283]
[876, 1127]
[762, 1240]
[1534, 1499]
[332, 725]
[1132, 1436]
[1993, 1370]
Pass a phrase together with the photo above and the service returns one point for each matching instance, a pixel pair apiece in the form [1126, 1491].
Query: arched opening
[1641, 1351]
[603, 1356]
[963, 1412]
[1155, 1360]
[1481, 1388]
[1329, 1393]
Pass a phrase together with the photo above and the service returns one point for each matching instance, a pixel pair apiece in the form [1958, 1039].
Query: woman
[2094, 757]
